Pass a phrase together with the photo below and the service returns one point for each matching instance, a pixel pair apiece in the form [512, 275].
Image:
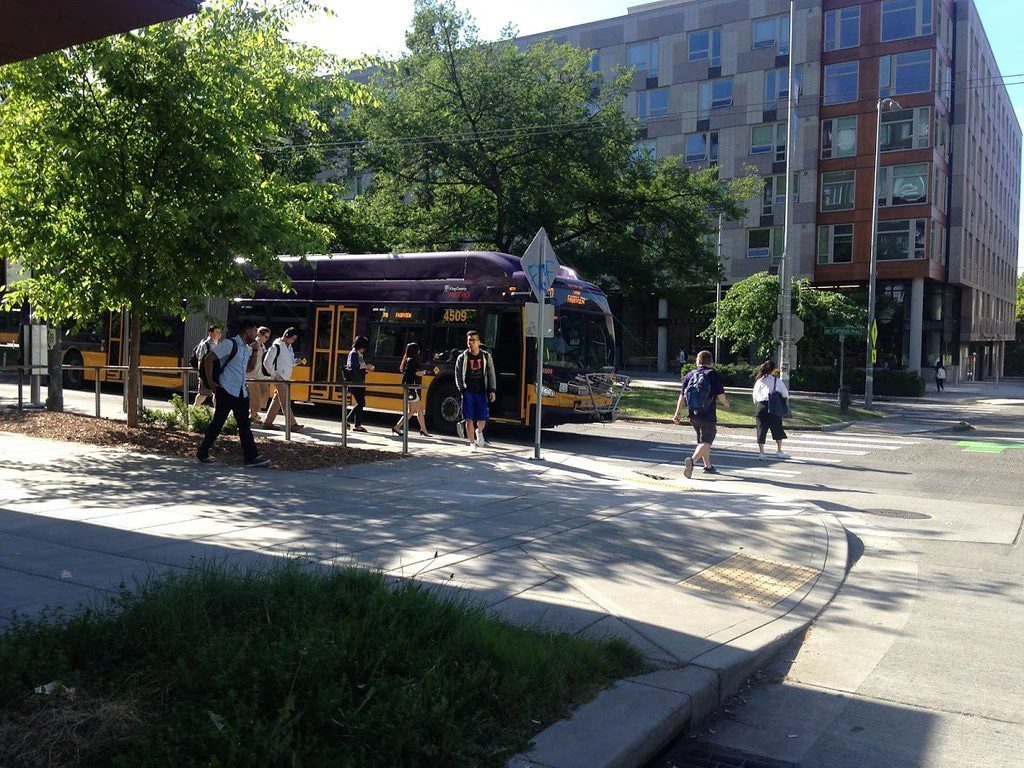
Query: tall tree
[749, 309]
[480, 143]
[136, 171]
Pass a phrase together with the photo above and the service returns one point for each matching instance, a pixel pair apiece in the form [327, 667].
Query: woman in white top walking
[768, 382]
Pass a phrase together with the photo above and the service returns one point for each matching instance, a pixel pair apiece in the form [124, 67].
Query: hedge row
[892, 383]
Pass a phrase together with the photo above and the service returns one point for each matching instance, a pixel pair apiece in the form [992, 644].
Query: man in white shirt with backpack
[278, 364]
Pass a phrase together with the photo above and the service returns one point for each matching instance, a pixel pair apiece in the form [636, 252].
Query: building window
[715, 94]
[764, 241]
[705, 44]
[838, 137]
[903, 184]
[774, 195]
[643, 57]
[702, 147]
[905, 129]
[941, 134]
[841, 82]
[835, 244]
[901, 240]
[653, 103]
[842, 28]
[595, 61]
[905, 73]
[906, 18]
[648, 148]
[772, 31]
[776, 85]
[768, 137]
[837, 190]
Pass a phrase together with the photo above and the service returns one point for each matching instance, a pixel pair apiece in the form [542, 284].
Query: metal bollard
[344, 416]
[405, 419]
[287, 407]
[21, 384]
[184, 393]
[96, 371]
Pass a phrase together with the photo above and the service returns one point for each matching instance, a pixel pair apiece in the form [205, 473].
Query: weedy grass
[290, 666]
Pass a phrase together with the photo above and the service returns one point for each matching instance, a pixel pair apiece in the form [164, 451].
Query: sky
[379, 26]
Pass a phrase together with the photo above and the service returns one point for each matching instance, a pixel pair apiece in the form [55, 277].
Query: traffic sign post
[842, 332]
[540, 266]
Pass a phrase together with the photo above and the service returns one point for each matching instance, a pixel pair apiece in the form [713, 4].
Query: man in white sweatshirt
[278, 363]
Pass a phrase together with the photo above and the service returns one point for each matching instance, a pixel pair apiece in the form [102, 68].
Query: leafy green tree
[749, 309]
[480, 143]
[136, 171]
[1020, 298]
[746, 314]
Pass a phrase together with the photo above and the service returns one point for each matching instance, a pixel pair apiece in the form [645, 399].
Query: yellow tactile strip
[751, 578]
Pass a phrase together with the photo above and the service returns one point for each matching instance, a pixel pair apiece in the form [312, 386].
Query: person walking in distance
[356, 369]
[225, 368]
[411, 372]
[940, 375]
[259, 389]
[701, 392]
[477, 381]
[768, 387]
[278, 363]
[204, 346]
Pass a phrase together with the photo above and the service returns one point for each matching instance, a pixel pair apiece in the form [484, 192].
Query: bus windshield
[582, 340]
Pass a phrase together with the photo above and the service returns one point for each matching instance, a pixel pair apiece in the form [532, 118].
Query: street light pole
[869, 364]
[785, 302]
[718, 285]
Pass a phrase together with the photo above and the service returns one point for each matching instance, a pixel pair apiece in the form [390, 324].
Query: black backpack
[218, 366]
[196, 358]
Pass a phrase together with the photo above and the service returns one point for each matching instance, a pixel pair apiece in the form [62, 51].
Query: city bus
[393, 299]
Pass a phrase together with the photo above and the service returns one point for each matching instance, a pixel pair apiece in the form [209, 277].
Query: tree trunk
[134, 380]
[55, 376]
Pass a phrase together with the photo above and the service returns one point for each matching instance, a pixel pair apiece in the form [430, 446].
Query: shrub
[200, 418]
[182, 414]
[891, 383]
[733, 374]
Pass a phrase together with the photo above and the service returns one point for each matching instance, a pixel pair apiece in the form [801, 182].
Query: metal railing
[99, 373]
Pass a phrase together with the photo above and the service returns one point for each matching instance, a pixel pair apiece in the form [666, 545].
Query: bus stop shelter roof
[30, 28]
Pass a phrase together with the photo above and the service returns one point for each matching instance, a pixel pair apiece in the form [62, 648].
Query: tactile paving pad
[751, 578]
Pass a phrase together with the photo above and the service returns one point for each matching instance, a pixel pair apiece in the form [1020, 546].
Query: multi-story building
[711, 86]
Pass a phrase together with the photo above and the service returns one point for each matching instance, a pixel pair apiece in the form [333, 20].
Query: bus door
[503, 335]
[115, 347]
[332, 340]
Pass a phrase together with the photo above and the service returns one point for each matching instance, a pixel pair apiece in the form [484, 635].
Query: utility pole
[785, 268]
[718, 285]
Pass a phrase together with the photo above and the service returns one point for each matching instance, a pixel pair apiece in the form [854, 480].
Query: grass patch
[292, 666]
[661, 404]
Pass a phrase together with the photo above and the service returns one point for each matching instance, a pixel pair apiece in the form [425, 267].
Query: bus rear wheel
[73, 379]
[445, 407]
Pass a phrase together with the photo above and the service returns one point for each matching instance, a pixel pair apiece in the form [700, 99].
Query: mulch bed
[154, 439]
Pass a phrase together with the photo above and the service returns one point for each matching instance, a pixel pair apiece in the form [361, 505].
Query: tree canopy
[749, 309]
[478, 144]
[136, 171]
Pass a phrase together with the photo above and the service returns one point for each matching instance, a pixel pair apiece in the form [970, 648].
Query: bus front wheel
[73, 379]
[445, 407]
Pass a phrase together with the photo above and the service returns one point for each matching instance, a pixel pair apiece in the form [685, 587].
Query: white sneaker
[781, 455]
[762, 456]
[480, 439]
[472, 447]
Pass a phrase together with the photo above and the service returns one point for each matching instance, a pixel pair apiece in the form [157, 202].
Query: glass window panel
[899, 19]
[842, 243]
[758, 242]
[762, 138]
[837, 190]
[893, 240]
[842, 28]
[699, 45]
[721, 93]
[696, 147]
[910, 184]
[841, 82]
[913, 72]
[764, 32]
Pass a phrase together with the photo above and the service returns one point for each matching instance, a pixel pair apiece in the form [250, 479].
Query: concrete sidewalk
[707, 584]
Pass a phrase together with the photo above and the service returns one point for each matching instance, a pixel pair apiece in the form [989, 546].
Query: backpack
[218, 366]
[197, 357]
[698, 391]
[263, 363]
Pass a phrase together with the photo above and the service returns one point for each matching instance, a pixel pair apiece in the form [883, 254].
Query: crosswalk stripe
[747, 454]
[757, 470]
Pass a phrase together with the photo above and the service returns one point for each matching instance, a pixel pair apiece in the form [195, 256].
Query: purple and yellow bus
[433, 299]
[393, 299]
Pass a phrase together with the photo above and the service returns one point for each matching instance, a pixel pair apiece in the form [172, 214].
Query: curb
[628, 724]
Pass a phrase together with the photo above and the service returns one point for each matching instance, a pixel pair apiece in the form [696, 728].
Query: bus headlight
[547, 392]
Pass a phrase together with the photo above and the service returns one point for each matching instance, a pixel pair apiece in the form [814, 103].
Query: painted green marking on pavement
[988, 446]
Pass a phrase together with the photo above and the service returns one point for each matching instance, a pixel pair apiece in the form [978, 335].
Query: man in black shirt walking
[477, 381]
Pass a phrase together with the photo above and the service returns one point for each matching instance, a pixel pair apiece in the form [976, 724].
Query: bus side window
[491, 330]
